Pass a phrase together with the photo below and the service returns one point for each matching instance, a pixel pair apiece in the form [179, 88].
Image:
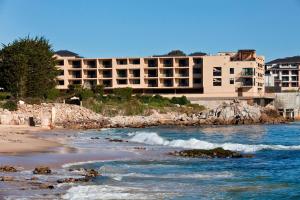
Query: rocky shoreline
[76, 117]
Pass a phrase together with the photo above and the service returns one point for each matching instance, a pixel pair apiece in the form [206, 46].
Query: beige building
[225, 75]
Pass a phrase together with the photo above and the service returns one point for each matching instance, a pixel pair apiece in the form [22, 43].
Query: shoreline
[19, 139]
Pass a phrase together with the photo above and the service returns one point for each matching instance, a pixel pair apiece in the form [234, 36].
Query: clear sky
[112, 28]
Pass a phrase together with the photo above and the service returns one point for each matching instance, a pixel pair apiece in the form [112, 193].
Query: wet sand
[24, 139]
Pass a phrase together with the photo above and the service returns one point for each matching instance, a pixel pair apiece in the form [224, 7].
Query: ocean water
[273, 172]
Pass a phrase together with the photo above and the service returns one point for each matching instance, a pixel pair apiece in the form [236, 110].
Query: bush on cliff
[180, 100]
[123, 93]
[53, 94]
[10, 105]
[4, 96]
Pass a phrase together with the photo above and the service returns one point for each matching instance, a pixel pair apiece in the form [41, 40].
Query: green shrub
[85, 94]
[180, 100]
[93, 105]
[10, 105]
[37, 101]
[53, 94]
[123, 93]
[134, 107]
[4, 95]
[98, 90]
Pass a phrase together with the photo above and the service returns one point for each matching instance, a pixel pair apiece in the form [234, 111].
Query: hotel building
[285, 72]
[224, 75]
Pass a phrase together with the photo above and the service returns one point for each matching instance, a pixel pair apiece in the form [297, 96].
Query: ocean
[273, 172]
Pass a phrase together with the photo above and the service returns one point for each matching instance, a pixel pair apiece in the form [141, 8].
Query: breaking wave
[153, 138]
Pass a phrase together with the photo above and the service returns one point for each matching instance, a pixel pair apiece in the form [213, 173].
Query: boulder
[7, 168]
[42, 170]
[6, 178]
[213, 153]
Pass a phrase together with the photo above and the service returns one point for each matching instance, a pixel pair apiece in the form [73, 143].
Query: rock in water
[6, 178]
[91, 173]
[42, 170]
[7, 168]
[212, 153]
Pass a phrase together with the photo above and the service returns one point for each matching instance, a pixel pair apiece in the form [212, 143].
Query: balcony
[183, 62]
[76, 64]
[246, 72]
[245, 83]
[107, 63]
[152, 63]
[152, 83]
[91, 64]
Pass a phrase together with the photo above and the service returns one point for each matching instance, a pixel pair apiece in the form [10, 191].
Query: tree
[27, 67]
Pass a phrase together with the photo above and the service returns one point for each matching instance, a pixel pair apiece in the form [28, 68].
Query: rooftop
[287, 60]
[66, 53]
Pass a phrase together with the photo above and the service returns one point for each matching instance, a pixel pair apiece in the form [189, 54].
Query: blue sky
[112, 28]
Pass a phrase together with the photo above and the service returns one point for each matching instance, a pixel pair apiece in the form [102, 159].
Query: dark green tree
[27, 67]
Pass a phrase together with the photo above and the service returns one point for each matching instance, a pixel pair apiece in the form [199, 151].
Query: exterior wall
[288, 101]
[190, 75]
[232, 90]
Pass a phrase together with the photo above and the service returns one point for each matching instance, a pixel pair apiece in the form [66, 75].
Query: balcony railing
[247, 73]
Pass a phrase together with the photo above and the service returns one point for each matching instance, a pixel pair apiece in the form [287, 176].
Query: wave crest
[152, 138]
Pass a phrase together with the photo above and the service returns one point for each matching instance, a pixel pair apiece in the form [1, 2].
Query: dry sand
[23, 139]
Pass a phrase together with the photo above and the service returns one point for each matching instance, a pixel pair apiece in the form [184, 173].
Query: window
[107, 74]
[91, 63]
[294, 72]
[136, 61]
[152, 63]
[136, 73]
[198, 61]
[197, 80]
[231, 70]
[61, 72]
[168, 62]
[217, 82]
[294, 84]
[183, 62]
[197, 70]
[122, 73]
[107, 83]
[285, 84]
[122, 81]
[294, 78]
[61, 82]
[285, 72]
[136, 81]
[217, 71]
[76, 64]
[60, 62]
[231, 81]
[285, 78]
[107, 63]
[122, 61]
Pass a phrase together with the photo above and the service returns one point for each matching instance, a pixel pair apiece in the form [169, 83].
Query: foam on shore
[109, 192]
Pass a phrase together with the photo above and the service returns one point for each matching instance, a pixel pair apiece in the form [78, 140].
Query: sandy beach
[23, 139]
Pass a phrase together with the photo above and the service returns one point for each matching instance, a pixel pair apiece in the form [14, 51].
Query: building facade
[285, 72]
[228, 74]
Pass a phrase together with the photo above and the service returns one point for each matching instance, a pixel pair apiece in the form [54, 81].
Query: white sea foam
[215, 175]
[108, 192]
[154, 139]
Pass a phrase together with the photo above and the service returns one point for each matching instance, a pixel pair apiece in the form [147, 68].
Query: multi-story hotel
[285, 72]
[228, 74]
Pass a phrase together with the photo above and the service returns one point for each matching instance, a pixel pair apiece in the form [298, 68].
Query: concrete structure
[225, 75]
[288, 104]
[285, 72]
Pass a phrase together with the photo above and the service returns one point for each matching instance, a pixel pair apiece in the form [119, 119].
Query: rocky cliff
[73, 116]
